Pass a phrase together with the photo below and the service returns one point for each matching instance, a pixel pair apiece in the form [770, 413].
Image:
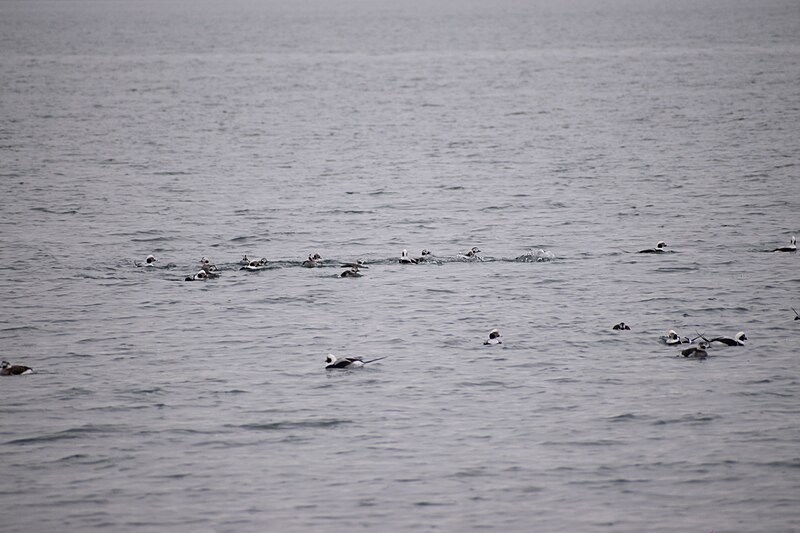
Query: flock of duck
[209, 270]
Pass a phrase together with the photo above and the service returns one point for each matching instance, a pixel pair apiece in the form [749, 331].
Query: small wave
[277, 426]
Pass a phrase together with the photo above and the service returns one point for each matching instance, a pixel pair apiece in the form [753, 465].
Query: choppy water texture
[356, 129]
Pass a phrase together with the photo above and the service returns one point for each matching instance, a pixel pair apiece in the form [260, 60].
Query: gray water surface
[357, 129]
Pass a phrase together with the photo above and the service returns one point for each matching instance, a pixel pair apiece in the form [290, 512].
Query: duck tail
[376, 359]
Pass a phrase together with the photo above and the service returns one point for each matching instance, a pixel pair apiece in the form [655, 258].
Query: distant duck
[737, 340]
[7, 369]
[201, 275]
[621, 326]
[260, 264]
[405, 259]
[672, 338]
[791, 248]
[659, 249]
[494, 338]
[244, 260]
[208, 266]
[150, 261]
[312, 260]
[334, 362]
[353, 269]
[698, 352]
[425, 256]
[471, 255]
[796, 314]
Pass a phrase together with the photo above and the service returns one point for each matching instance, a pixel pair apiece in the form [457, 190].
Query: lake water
[356, 129]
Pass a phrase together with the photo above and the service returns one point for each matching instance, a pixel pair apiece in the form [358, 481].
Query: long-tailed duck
[791, 248]
[405, 259]
[312, 260]
[201, 275]
[659, 249]
[698, 352]
[494, 338]
[334, 362]
[737, 340]
[7, 369]
[424, 256]
[672, 338]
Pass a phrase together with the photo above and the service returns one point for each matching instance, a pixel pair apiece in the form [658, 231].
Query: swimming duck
[659, 249]
[201, 275]
[312, 260]
[7, 369]
[791, 248]
[334, 362]
[737, 340]
[244, 260]
[494, 338]
[150, 261]
[260, 264]
[672, 338]
[424, 256]
[621, 326]
[405, 260]
[352, 272]
[698, 352]
[796, 314]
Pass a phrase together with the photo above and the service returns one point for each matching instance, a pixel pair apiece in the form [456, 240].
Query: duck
[312, 260]
[698, 352]
[672, 338]
[244, 260]
[7, 369]
[494, 338]
[737, 340]
[659, 249]
[796, 314]
[256, 265]
[791, 248]
[621, 326]
[150, 260]
[334, 362]
[425, 255]
[351, 272]
[405, 259]
[536, 256]
[201, 275]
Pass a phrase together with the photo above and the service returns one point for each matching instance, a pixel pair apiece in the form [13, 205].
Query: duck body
[201, 275]
[312, 261]
[494, 338]
[405, 259]
[7, 369]
[621, 326]
[791, 248]
[659, 249]
[672, 338]
[344, 363]
[697, 352]
[737, 340]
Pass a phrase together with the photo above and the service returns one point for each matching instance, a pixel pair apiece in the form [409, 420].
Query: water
[357, 129]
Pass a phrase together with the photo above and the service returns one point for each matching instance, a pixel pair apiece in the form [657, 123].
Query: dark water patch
[279, 426]
[171, 173]
[56, 211]
[697, 419]
[69, 434]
